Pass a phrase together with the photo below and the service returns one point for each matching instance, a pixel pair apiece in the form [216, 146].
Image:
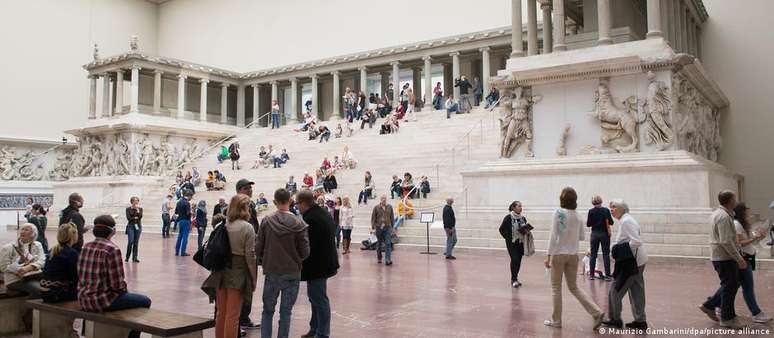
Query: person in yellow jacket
[405, 210]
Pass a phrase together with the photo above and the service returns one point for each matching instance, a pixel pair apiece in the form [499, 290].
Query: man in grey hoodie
[282, 243]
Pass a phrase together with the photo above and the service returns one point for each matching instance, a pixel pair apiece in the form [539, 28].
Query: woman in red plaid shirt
[101, 284]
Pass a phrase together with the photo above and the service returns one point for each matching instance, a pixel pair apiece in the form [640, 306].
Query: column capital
[136, 67]
[274, 82]
[314, 76]
[204, 80]
[256, 85]
[224, 85]
[484, 49]
[158, 71]
[293, 79]
[427, 58]
[335, 73]
[362, 68]
[182, 77]
[545, 6]
[454, 54]
[395, 63]
[93, 76]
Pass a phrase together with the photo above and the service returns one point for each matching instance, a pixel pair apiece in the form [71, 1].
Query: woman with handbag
[514, 230]
[747, 240]
[133, 228]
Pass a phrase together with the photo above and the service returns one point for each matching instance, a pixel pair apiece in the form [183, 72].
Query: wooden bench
[11, 311]
[55, 320]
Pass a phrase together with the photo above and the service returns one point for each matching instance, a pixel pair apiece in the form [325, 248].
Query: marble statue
[134, 43]
[96, 52]
[122, 156]
[518, 125]
[657, 108]
[616, 122]
[61, 170]
[697, 122]
[562, 149]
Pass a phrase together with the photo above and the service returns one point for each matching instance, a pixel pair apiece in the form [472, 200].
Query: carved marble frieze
[696, 119]
[516, 124]
[24, 164]
[618, 121]
[133, 154]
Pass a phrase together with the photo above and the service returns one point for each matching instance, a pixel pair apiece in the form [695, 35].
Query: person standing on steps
[514, 229]
[183, 217]
[282, 243]
[449, 225]
[322, 263]
[233, 153]
[566, 231]
[166, 218]
[464, 84]
[133, 228]
[72, 214]
[381, 223]
[275, 114]
[600, 221]
[346, 216]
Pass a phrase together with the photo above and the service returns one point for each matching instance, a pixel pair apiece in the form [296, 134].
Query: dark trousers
[317, 291]
[364, 196]
[130, 301]
[516, 251]
[201, 231]
[132, 244]
[165, 225]
[597, 239]
[728, 272]
[244, 314]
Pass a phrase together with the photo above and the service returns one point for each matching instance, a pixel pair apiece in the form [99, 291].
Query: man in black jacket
[449, 223]
[72, 214]
[322, 263]
[464, 84]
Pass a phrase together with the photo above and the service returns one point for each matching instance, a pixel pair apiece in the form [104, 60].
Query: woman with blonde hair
[234, 284]
[346, 215]
[60, 274]
[566, 231]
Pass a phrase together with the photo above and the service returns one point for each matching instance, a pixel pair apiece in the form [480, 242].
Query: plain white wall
[248, 35]
[45, 43]
[736, 45]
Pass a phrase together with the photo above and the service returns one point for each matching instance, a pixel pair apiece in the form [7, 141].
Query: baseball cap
[242, 183]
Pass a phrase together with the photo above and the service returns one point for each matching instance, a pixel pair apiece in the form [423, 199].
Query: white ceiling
[159, 2]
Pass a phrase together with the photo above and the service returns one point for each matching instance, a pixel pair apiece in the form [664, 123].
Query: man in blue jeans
[101, 284]
[322, 263]
[449, 225]
[281, 244]
[183, 216]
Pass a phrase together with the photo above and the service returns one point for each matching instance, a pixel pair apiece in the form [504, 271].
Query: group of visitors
[91, 273]
[268, 156]
[406, 187]
[215, 180]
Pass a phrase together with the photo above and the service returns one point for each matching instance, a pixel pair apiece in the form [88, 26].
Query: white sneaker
[761, 318]
[551, 323]
[732, 324]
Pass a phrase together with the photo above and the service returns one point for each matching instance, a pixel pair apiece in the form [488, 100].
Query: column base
[560, 48]
[655, 35]
[517, 54]
[605, 42]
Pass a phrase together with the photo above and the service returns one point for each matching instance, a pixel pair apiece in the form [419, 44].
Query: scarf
[517, 221]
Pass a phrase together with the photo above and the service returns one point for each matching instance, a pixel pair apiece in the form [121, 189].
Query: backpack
[216, 254]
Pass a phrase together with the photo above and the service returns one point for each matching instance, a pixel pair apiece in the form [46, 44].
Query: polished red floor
[428, 296]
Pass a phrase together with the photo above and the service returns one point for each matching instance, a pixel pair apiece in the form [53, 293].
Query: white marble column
[315, 89]
[256, 103]
[157, 90]
[93, 96]
[134, 97]
[105, 95]
[676, 15]
[203, 100]
[532, 37]
[684, 26]
[336, 94]
[293, 100]
[654, 19]
[559, 26]
[364, 80]
[548, 29]
[395, 83]
[455, 73]
[604, 22]
[517, 44]
[119, 93]
[241, 106]
[485, 70]
[181, 96]
[428, 80]
[224, 103]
